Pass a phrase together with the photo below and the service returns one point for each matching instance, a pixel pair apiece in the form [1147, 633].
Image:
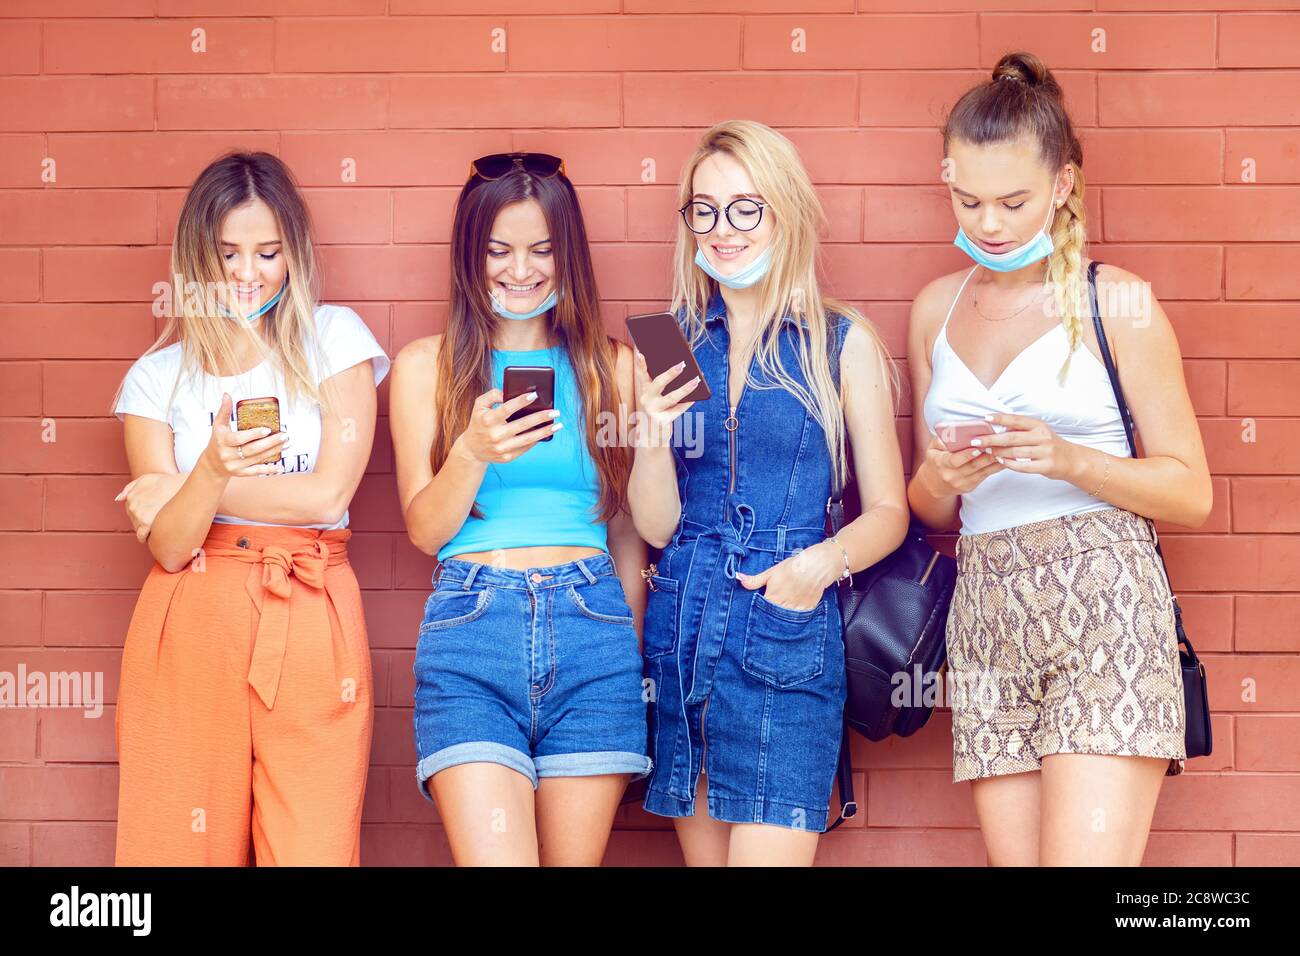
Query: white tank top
[1082, 410]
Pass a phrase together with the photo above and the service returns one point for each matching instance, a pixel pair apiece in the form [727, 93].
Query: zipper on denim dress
[704, 751]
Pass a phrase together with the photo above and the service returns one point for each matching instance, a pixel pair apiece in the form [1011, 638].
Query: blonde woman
[743, 640]
[244, 714]
[1067, 698]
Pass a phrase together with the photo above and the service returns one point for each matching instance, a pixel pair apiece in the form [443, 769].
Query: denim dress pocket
[660, 631]
[601, 600]
[451, 606]
[784, 647]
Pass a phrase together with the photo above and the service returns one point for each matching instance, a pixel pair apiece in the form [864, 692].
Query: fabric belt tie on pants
[269, 588]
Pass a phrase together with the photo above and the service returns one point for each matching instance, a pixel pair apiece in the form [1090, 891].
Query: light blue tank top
[547, 496]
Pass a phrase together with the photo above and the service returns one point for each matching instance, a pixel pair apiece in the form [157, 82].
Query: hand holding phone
[956, 436]
[501, 434]
[245, 452]
[658, 337]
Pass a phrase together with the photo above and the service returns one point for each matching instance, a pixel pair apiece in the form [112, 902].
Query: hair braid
[1065, 265]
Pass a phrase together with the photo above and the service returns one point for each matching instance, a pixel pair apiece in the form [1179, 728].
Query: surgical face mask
[1035, 250]
[547, 303]
[265, 307]
[743, 279]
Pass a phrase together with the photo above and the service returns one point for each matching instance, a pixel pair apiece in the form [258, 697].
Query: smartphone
[659, 338]
[956, 436]
[258, 413]
[518, 379]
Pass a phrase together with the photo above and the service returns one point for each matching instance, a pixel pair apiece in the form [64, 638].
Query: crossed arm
[173, 510]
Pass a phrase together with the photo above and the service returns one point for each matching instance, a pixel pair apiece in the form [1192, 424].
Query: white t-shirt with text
[344, 339]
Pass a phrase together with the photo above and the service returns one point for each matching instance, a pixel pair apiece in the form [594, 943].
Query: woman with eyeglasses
[743, 644]
[529, 714]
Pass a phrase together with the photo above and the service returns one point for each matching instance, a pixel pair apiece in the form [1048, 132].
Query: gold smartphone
[258, 413]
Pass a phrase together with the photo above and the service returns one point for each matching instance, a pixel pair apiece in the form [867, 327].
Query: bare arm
[322, 495]
[626, 547]
[182, 522]
[1172, 481]
[877, 459]
[317, 497]
[435, 506]
[652, 488]
[939, 478]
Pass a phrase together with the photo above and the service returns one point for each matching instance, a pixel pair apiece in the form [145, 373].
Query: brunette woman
[1067, 697]
[529, 716]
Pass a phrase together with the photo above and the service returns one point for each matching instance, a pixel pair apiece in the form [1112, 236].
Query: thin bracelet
[1105, 477]
[846, 573]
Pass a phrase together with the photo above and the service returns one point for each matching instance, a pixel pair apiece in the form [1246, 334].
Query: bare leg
[488, 812]
[574, 817]
[1097, 808]
[1007, 807]
[704, 840]
[766, 844]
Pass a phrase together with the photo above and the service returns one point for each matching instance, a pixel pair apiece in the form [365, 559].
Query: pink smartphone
[957, 435]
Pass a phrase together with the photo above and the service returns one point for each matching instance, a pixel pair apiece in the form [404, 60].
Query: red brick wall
[411, 90]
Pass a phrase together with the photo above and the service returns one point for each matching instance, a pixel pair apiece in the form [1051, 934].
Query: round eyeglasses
[743, 214]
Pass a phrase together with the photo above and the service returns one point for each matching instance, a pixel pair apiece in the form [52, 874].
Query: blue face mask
[743, 279]
[547, 303]
[265, 307]
[1035, 250]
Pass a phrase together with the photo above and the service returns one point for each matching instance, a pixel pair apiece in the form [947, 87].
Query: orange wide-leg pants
[245, 707]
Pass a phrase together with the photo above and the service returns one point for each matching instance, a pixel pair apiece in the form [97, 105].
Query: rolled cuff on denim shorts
[549, 765]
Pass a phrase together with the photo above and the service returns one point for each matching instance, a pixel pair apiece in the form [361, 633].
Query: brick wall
[1189, 118]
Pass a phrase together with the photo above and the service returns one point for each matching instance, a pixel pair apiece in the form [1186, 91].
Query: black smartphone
[659, 338]
[518, 379]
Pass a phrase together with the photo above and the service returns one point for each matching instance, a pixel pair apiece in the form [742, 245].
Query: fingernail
[555, 413]
[557, 426]
[695, 380]
[263, 431]
[998, 460]
[975, 454]
[988, 418]
[532, 396]
[680, 365]
[975, 442]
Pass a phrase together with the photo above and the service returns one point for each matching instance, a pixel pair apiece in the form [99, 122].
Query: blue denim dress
[747, 690]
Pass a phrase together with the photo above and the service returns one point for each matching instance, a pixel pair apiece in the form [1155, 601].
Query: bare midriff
[519, 559]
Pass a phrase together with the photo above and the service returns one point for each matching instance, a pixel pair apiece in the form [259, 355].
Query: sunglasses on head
[498, 164]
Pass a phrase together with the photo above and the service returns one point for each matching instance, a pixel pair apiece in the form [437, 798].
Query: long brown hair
[1023, 97]
[287, 333]
[465, 359]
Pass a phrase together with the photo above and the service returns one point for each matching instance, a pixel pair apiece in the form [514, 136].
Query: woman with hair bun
[1067, 693]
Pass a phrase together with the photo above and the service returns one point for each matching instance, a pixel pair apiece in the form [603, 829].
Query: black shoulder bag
[1195, 696]
[895, 614]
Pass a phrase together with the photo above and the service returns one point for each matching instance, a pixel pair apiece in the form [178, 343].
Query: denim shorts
[538, 670]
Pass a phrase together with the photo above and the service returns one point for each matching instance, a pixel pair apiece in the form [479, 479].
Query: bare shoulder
[418, 358]
[861, 345]
[1126, 304]
[929, 308]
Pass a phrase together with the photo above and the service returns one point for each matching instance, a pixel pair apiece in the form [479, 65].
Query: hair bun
[1028, 69]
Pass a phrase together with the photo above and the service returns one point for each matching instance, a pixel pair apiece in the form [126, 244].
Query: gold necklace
[975, 301]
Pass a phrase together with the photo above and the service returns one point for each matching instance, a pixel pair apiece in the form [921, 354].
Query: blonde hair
[1023, 96]
[288, 338]
[791, 286]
